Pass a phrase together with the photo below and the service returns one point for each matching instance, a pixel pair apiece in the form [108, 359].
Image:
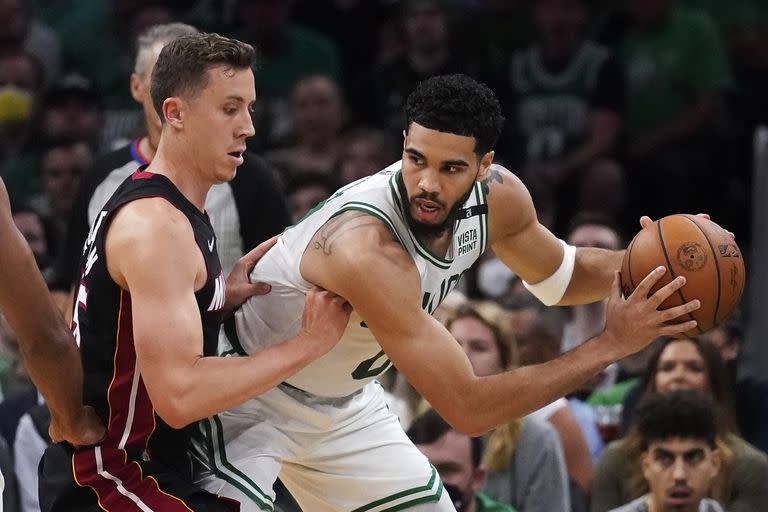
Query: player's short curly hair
[457, 104]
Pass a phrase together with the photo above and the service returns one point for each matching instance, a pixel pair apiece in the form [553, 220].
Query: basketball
[694, 247]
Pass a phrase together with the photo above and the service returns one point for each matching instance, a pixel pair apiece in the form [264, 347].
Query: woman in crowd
[691, 364]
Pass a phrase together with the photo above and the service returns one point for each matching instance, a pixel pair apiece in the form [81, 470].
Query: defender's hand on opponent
[632, 323]
[324, 320]
[83, 429]
[239, 286]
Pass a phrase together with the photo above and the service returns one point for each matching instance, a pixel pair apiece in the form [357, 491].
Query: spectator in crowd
[567, 102]
[457, 459]
[751, 395]
[37, 233]
[319, 113]
[304, 191]
[587, 320]
[363, 152]
[677, 71]
[73, 110]
[62, 166]
[31, 440]
[244, 211]
[686, 364]
[8, 487]
[539, 332]
[21, 84]
[288, 53]
[524, 459]
[680, 458]
[430, 50]
[20, 31]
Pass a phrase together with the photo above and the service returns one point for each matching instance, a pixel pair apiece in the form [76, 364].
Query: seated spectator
[524, 459]
[21, 31]
[38, 234]
[304, 191]
[456, 457]
[364, 151]
[694, 365]
[62, 165]
[539, 332]
[318, 113]
[677, 71]
[680, 458]
[566, 107]
[288, 52]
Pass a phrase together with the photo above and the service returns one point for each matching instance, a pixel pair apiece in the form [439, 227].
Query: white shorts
[348, 454]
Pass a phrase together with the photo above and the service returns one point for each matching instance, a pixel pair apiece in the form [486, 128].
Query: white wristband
[551, 290]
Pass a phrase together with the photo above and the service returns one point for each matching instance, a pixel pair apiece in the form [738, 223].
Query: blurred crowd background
[614, 109]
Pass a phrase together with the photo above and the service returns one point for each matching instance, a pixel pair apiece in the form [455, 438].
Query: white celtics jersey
[357, 359]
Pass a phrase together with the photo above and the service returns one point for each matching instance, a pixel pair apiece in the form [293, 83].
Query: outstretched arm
[356, 256]
[151, 252]
[47, 346]
[533, 252]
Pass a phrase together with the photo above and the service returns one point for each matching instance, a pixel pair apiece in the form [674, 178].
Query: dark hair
[183, 64]
[457, 104]
[717, 377]
[683, 414]
[430, 426]
[586, 218]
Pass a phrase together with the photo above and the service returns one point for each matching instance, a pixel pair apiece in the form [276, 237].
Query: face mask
[493, 278]
[15, 104]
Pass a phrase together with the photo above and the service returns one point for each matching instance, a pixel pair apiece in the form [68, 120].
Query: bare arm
[533, 252]
[47, 346]
[161, 266]
[355, 256]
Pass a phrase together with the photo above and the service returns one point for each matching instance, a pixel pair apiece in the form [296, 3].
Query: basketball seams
[717, 267]
[672, 271]
[629, 265]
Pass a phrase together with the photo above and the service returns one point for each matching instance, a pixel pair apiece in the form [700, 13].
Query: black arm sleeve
[260, 201]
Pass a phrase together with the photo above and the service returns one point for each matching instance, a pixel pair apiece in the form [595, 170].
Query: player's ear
[485, 164]
[172, 112]
[136, 88]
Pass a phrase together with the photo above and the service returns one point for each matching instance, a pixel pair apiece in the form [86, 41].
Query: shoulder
[510, 207]
[637, 505]
[139, 224]
[746, 457]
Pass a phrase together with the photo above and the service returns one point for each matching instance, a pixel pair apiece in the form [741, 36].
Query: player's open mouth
[236, 156]
[426, 211]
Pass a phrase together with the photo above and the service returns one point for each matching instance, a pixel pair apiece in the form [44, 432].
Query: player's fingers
[665, 291]
[255, 254]
[670, 314]
[259, 288]
[647, 283]
[705, 215]
[673, 329]
[645, 221]
[616, 286]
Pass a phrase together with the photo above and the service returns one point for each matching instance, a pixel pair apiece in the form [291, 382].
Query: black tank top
[102, 324]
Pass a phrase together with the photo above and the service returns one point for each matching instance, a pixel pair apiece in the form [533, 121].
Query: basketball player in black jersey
[151, 298]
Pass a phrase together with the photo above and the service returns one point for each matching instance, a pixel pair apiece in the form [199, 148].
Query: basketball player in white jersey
[394, 244]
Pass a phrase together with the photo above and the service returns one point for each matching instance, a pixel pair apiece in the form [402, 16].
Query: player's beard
[430, 231]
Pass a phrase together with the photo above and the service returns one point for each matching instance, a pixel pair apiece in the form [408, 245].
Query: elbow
[469, 420]
[174, 416]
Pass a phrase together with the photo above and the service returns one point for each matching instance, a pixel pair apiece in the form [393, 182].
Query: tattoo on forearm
[493, 175]
[329, 234]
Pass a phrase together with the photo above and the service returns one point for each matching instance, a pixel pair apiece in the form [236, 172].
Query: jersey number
[364, 370]
[81, 301]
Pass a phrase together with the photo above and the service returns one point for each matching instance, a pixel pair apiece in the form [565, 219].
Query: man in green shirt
[676, 69]
[456, 457]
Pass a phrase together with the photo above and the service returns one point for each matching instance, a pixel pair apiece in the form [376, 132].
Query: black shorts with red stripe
[100, 478]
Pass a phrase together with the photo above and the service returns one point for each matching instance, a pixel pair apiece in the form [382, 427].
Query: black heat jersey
[142, 464]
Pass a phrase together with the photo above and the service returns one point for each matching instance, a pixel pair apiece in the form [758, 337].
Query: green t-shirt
[484, 503]
[670, 69]
[613, 395]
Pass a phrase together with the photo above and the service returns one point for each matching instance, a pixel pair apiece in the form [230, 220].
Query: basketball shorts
[100, 478]
[333, 454]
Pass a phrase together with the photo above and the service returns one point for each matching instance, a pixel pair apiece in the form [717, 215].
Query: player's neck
[175, 163]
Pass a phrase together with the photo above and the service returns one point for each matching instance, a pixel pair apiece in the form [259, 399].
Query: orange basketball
[700, 250]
